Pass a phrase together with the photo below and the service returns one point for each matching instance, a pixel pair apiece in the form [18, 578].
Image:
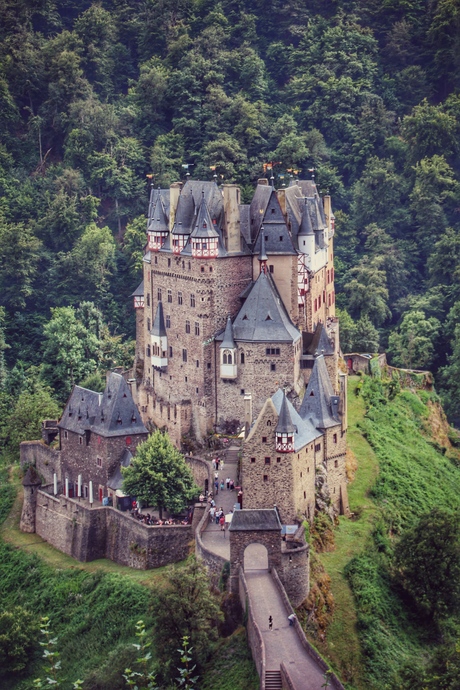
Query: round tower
[31, 484]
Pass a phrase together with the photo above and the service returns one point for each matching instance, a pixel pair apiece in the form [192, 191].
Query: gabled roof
[155, 196]
[304, 429]
[159, 328]
[275, 231]
[319, 403]
[306, 227]
[263, 317]
[203, 226]
[111, 413]
[189, 204]
[116, 480]
[228, 341]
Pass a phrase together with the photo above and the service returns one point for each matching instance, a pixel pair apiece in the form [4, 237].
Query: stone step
[273, 680]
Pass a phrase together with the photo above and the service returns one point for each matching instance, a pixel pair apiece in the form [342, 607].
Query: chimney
[281, 194]
[174, 194]
[232, 217]
[328, 211]
[247, 414]
[263, 181]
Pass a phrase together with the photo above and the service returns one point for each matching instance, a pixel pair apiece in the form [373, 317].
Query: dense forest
[95, 98]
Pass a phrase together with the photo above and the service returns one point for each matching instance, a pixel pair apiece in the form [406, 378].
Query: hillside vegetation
[379, 636]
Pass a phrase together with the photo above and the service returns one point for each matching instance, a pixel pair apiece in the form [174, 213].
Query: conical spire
[285, 425]
[159, 328]
[228, 342]
[305, 225]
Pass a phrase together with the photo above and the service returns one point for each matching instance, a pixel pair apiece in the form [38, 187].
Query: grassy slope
[342, 646]
[401, 474]
[93, 607]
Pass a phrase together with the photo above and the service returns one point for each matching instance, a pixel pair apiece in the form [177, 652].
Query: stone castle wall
[88, 534]
[46, 460]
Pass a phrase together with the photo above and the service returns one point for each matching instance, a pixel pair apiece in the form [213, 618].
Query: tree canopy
[158, 475]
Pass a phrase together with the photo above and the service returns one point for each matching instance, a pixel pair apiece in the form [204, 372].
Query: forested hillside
[95, 97]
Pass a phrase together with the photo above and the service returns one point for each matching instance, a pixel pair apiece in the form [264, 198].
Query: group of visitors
[147, 519]
[221, 484]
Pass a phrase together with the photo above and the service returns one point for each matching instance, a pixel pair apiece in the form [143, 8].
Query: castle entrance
[255, 557]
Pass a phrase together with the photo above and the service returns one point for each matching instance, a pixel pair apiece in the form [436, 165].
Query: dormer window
[284, 443]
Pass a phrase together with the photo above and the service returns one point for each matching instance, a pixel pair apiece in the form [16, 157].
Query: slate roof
[111, 413]
[258, 207]
[189, 203]
[275, 231]
[304, 429]
[317, 343]
[263, 317]
[285, 425]
[159, 221]
[228, 341]
[159, 328]
[116, 480]
[255, 521]
[319, 403]
[155, 196]
[139, 291]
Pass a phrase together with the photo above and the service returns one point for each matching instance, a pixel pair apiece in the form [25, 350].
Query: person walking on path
[216, 486]
[270, 622]
[217, 464]
[212, 514]
[291, 618]
[222, 485]
[227, 481]
[222, 523]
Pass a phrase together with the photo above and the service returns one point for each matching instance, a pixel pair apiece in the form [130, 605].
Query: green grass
[401, 474]
[342, 645]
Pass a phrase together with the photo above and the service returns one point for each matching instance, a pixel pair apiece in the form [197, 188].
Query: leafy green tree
[413, 345]
[19, 257]
[347, 330]
[449, 378]
[366, 336]
[367, 290]
[18, 631]
[429, 131]
[166, 159]
[134, 240]
[159, 476]
[34, 404]
[427, 563]
[185, 608]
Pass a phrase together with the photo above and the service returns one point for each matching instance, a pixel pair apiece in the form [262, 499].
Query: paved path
[213, 538]
[282, 643]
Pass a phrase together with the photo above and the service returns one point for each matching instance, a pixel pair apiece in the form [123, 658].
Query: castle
[237, 301]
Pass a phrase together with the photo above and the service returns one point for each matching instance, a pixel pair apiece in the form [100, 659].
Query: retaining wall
[104, 532]
[254, 635]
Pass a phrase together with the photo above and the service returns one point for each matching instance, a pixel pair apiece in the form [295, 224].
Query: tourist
[232, 485]
[270, 622]
[217, 464]
[291, 619]
[212, 514]
[201, 498]
[240, 499]
[222, 485]
[227, 481]
[222, 522]
[216, 486]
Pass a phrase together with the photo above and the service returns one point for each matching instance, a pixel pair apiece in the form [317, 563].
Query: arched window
[242, 358]
[227, 357]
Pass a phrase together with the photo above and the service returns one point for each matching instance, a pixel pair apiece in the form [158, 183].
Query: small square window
[267, 461]
[242, 391]
[208, 365]
[272, 268]
[202, 269]
[336, 463]
[253, 459]
[265, 477]
[278, 459]
[272, 367]
[66, 435]
[264, 439]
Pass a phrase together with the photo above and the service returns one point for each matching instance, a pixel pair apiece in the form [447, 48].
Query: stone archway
[255, 557]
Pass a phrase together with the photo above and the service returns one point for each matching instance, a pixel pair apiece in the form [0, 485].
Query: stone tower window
[192, 300]
[187, 326]
[179, 298]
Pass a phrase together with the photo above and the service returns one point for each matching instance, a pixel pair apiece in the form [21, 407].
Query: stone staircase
[273, 680]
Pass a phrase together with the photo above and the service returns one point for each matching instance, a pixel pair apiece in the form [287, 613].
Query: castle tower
[31, 484]
[159, 340]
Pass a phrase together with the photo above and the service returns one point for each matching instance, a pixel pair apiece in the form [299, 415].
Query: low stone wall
[91, 533]
[286, 680]
[212, 561]
[46, 460]
[254, 635]
[311, 651]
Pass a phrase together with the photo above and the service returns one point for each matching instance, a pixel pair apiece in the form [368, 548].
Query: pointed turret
[319, 402]
[228, 353]
[263, 258]
[285, 429]
[159, 339]
[158, 228]
[204, 236]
